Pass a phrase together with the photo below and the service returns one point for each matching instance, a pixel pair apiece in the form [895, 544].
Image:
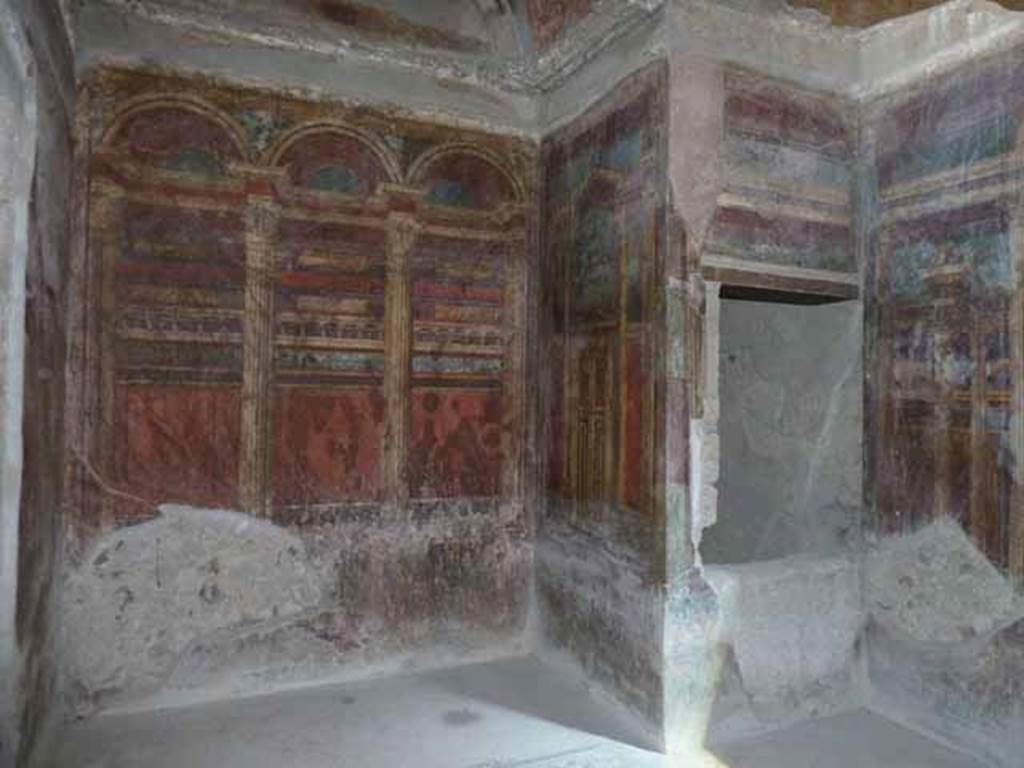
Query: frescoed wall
[312, 313]
[947, 313]
[599, 553]
[784, 218]
[946, 403]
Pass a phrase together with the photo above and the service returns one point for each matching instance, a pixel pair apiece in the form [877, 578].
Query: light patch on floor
[858, 739]
[517, 713]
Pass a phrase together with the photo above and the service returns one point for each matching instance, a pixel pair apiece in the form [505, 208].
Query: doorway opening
[789, 383]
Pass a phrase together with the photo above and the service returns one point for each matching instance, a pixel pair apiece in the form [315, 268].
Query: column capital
[262, 215]
[402, 231]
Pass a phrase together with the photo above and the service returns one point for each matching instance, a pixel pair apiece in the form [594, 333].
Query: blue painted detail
[596, 267]
[982, 141]
[450, 364]
[195, 160]
[908, 265]
[454, 193]
[304, 359]
[336, 178]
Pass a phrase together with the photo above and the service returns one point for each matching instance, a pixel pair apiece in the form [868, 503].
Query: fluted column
[261, 225]
[402, 231]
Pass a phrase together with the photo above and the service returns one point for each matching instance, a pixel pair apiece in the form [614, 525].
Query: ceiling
[865, 13]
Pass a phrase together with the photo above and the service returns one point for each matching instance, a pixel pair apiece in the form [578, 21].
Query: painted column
[254, 482]
[401, 238]
[515, 398]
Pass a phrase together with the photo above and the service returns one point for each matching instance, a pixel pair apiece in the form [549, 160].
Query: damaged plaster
[936, 587]
[205, 603]
[946, 641]
[144, 594]
[792, 628]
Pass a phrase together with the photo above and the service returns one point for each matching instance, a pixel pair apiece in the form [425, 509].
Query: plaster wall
[945, 404]
[109, 36]
[33, 436]
[309, 315]
[599, 551]
[790, 384]
[761, 171]
[17, 114]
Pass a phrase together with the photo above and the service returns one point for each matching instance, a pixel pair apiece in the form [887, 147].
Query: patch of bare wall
[790, 385]
[783, 551]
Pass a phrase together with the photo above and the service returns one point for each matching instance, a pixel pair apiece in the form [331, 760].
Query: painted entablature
[784, 218]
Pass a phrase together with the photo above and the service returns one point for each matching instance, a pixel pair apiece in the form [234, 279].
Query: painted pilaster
[1016, 544]
[402, 232]
[254, 482]
[515, 397]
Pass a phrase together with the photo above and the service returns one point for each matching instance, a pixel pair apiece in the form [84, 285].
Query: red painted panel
[456, 443]
[177, 443]
[327, 445]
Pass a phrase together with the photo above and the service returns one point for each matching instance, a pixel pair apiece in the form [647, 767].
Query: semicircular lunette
[330, 160]
[464, 179]
[176, 137]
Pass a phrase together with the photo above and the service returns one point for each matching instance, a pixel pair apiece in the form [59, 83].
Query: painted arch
[330, 157]
[464, 176]
[177, 133]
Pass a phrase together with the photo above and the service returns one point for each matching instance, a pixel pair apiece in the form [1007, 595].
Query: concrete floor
[505, 714]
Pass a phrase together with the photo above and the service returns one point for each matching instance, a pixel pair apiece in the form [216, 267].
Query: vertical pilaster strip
[261, 225]
[887, 518]
[983, 519]
[570, 370]
[619, 392]
[1016, 543]
[402, 232]
[515, 397]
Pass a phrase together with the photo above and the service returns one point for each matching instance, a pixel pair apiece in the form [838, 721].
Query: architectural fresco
[788, 158]
[604, 204]
[948, 313]
[945, 393]
[311, 313]
[247, 277]
[604, 188]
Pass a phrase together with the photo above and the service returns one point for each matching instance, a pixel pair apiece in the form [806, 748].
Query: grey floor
[501, 715]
